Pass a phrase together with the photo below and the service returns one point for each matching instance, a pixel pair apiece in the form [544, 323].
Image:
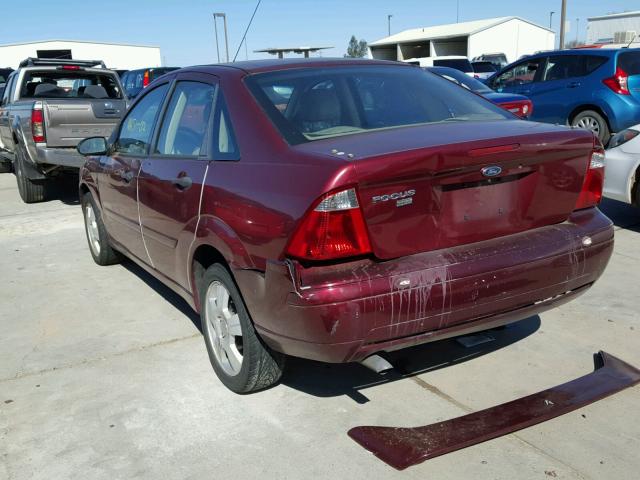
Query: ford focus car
[332, 209]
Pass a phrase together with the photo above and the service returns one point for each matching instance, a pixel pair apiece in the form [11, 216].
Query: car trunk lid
[434, 186]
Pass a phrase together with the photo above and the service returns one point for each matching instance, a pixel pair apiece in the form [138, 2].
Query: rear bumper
[64, 157]
[346, 312]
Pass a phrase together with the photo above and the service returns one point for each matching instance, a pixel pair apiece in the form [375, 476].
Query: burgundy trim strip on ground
[404, 447]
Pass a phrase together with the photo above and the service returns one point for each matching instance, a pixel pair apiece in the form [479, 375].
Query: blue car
[516, 104]
[596, 89]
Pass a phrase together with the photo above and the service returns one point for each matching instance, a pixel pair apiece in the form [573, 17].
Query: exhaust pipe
[377, 364]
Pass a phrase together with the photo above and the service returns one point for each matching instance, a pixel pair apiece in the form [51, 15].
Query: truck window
[69, 84]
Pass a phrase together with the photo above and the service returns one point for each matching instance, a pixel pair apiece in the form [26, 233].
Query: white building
[114, 55]
[512, 36]
[614, 28]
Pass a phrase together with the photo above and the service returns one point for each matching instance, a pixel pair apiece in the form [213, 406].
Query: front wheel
[238, 356]
[97, 237]
[593, 121]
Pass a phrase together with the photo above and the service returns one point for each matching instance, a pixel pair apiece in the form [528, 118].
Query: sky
[184, 29]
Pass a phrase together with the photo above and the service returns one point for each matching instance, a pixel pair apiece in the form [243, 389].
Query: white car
[622, 172]
[452, 61]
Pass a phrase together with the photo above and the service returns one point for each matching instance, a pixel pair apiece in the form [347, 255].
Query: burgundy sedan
[333, 209]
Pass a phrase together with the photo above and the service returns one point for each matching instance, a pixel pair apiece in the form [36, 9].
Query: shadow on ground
[64, 188]
[329, 380]
[621, 214]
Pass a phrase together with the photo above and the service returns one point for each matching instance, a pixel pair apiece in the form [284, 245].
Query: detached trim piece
[404, 447]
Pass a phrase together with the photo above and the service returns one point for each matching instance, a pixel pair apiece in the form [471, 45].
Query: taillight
[145, 79]
[333, 229]
[37, 124]
[521, 108]
[591, 192]
[619, 83]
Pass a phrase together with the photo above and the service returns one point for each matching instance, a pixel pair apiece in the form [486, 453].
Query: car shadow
[351, 379]
[165, 292]
[64, 188]
[621, 214]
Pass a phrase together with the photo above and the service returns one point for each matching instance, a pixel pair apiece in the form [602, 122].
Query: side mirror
[93, 146]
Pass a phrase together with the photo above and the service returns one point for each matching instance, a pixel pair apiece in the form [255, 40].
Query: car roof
[268, 65]
[609, 52]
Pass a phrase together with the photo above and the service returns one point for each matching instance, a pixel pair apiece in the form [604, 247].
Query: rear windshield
[69, 84]
[459, 64]
[311, 104]
[630, 62]
[483, 67]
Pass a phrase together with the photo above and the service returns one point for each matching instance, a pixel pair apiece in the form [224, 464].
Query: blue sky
[184, 29]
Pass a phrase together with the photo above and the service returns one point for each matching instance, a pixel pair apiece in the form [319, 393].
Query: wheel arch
[590, 106]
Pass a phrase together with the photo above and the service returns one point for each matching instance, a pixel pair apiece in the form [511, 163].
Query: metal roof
[447, 31]
[76, 41]
[611, 16]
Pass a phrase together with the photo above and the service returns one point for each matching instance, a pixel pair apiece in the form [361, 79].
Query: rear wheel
[241, 361]
[5, 167]
[101, 251]
[593, 121]
[31, 191]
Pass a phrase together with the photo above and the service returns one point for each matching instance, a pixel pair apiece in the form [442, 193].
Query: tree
[357, 49]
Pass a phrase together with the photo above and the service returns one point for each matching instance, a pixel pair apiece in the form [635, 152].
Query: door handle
[125, 176]
[573, 85]
[183, 182]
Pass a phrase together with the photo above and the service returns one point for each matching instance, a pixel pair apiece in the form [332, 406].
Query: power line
[247, 30]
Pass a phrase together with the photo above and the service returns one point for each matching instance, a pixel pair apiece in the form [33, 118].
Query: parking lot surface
[104, 375]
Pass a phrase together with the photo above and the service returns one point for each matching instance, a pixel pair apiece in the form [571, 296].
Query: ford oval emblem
[491, 171]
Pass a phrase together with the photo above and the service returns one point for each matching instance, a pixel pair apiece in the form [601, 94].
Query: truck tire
[98, 239]
[31, 191]
[240, 359]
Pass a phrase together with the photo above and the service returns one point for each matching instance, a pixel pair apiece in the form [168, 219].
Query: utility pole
[457, 11]
[551, 20]
[226, 38]
[563, 21]
[215, 27]
[577, 29]
[389, 24]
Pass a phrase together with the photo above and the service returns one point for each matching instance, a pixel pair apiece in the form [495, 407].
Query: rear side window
[459, 64]
[135, 133]
[330, 102]
[561, 67]
[224, 139]
[185, 124]
[69, 84]
[629, 62]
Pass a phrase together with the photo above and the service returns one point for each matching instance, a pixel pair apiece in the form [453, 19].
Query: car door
[6, 139]
[519, 78]
[171, 179]
[117, 180]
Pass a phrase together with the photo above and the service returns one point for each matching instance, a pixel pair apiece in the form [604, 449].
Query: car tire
[240, 359]
[593, 121]
[31, 191]
[97, 237]
[5, 167]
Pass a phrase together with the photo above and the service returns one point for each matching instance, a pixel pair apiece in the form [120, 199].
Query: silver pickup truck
[47, 107]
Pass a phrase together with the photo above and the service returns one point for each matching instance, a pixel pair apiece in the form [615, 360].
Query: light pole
[563, 21]
[226, 38]
[551, 20]
[457, 11]
[389, 23]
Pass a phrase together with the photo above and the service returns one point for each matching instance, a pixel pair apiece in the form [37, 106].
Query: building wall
[124, 57]
[513, 38]
[603, 30]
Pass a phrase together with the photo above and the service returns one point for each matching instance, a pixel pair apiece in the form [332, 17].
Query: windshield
[314, 103]
[461, 64]
[69, 84]
[462, 79]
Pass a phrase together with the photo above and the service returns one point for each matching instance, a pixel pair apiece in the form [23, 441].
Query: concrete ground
[104, 375]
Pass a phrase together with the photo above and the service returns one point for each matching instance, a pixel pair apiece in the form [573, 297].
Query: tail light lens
[145, 79]
[333, 229]
[591, 192]
[37, 124]
[522, 108]
[619, 83]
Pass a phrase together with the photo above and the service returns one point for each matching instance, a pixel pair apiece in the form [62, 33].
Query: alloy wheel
[589, 123]
[93, 233]
[225, 330]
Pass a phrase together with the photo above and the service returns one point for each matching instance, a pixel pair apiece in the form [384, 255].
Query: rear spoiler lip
[404, 447]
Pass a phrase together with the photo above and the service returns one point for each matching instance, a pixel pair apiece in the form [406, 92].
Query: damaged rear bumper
[404, 447]
[345, 312]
